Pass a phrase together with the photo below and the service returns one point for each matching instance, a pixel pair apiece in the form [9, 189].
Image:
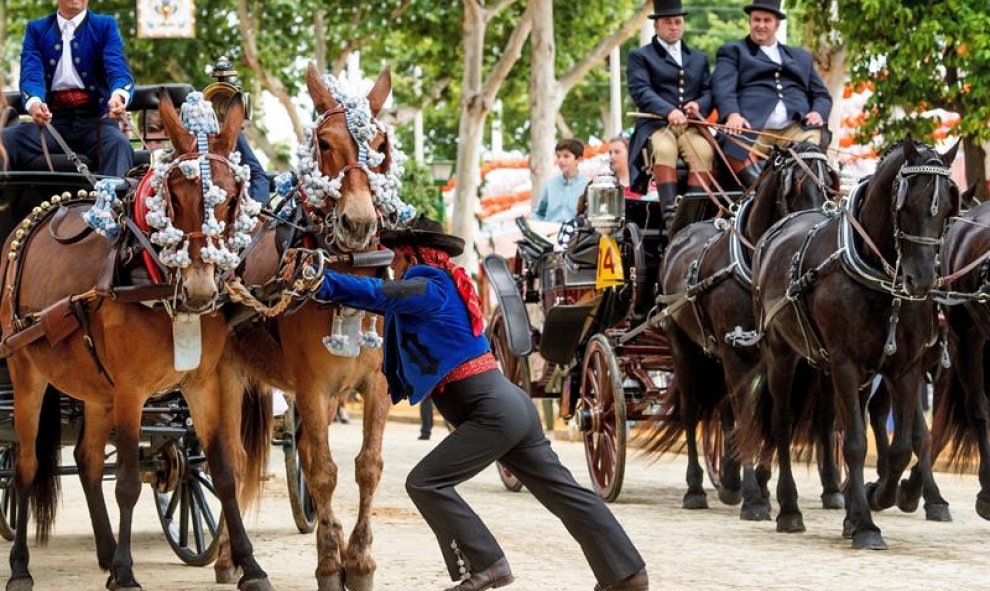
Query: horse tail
[952, 425]
[806, 411]
[754, 430]
[667, 429]
[256, 436]
[47, 486]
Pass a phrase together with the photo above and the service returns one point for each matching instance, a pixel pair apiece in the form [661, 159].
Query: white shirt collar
[672, 48]
[76, 20]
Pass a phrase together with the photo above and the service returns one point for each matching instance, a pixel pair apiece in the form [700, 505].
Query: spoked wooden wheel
[713, 443]
[515, 368]
[300, 499]
[602, 418]
[187, 503]
[8, 495]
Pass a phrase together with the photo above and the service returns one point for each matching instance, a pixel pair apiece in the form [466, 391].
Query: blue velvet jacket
[97, 50]
[427, 329]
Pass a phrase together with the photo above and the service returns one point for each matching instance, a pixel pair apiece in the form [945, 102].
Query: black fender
[511, 304]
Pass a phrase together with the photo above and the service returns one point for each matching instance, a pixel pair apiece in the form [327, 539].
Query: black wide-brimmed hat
[766, 6]
[423, 231]
[662, 8]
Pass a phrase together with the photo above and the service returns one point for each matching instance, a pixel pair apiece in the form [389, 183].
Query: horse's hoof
[334, 582]
[937, 512]
[790, 523]
[695, 501]
[20, 584]
[729, 497]
[848, 527]
[868, 540]
[833, 500]
[356, 582]
[983, 507]
[226, 575]
[871, 497]
[907, 499]
[755, 512]
[130, 586]
[261, 584]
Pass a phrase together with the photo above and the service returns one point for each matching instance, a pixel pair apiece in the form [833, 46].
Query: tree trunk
[320, 39]
[976, 171]
[270, 82]
[831, 65]
[543, 102]
[477, 97]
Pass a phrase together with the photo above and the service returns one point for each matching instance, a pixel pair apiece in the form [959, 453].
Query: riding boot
[665, 178]
[696, 208]
[747, 170]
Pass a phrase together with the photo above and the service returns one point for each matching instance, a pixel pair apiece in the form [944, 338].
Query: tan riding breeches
[667, 142]
[794, 133]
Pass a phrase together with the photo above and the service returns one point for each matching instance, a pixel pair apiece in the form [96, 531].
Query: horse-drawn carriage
[171, 457]
[588, 337]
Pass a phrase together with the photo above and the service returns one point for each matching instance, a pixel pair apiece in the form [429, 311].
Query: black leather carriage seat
[145, 98]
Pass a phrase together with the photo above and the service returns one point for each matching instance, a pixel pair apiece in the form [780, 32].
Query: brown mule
[287, 353]
[116, 360]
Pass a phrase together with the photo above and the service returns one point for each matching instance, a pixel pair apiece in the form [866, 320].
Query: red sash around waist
[471, 367]
[68, 99]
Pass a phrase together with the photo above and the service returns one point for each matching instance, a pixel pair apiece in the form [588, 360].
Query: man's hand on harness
[693, 110]
[303, 269]
[39, 113]
[677, 118]
[736, 123]
[814, 119]
[118, 110]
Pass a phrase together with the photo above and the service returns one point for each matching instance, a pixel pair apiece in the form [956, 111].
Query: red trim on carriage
[143, 192]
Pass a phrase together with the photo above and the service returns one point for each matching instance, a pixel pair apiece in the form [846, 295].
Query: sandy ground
[696, 550]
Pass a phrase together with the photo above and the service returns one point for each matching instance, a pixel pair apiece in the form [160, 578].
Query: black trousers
[495, 420]
[426, 416]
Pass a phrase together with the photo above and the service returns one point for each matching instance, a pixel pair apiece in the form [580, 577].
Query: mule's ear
[380, 91]
[322, 99]
[183, 141]
[225, 142]
[910, 149]
[949, 157]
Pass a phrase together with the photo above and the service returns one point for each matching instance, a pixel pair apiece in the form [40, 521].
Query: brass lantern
[606, 203]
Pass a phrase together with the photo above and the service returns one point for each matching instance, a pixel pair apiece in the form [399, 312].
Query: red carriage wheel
[713, 447]
[515, 368]
[602, 418]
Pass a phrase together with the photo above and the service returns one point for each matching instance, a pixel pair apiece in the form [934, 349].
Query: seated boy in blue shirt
[559, 198]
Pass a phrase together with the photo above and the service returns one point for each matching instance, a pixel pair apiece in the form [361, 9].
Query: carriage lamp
[606, 203]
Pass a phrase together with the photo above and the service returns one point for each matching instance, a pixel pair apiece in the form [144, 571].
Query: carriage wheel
[515, 368]
[187, 503]
[603, 418]
[8, 494]
[300, 499]
[713, 445]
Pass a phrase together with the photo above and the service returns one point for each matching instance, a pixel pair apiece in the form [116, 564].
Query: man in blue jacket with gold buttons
[74, 75]
[764, 85]
[434, 343]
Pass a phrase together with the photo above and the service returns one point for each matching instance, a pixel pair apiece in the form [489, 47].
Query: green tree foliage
[918, 56]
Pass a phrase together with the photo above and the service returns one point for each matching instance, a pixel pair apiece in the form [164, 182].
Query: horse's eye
[324, 145]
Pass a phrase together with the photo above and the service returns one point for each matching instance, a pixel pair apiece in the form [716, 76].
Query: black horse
[962, 406]
[706, 277]
[830, 298]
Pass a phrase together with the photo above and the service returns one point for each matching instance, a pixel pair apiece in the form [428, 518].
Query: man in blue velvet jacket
[74, 75]
[435, 344]
[765, 85]
[669, 79]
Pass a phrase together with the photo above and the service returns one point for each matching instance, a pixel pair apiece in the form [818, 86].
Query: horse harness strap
[73, 157]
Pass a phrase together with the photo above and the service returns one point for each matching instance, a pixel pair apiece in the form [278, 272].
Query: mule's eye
[324, 145]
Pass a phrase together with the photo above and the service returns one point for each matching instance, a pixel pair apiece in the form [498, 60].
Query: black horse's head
[801, 177]
[924, 198]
